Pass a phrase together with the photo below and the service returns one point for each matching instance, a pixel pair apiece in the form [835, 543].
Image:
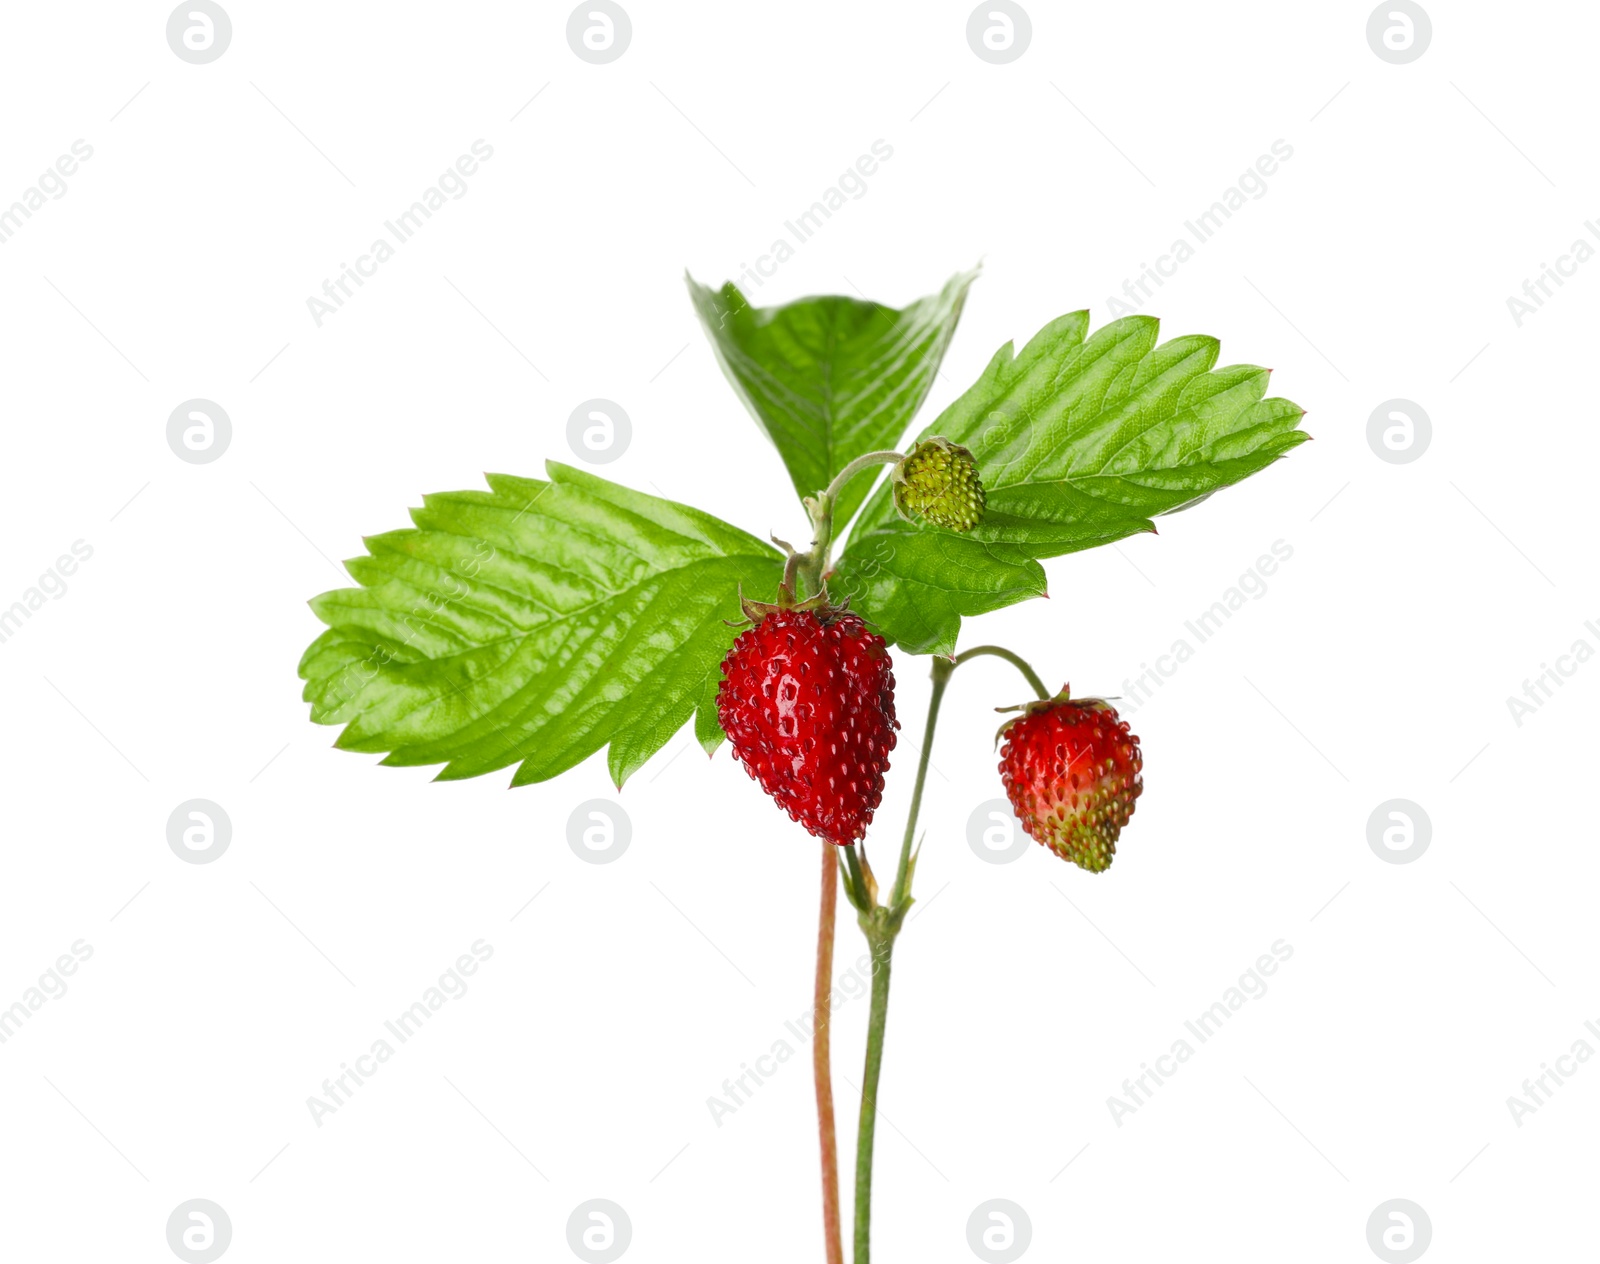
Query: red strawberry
[1071, 769]
[807, 701]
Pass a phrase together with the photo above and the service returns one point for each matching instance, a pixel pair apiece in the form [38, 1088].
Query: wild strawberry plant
[544, 620]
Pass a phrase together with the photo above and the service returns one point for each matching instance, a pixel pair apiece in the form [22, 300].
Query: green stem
[882, 952]
[999, 651]
[881, 924]
[814, 565]
[791, 568]
[942, 670]
[882, 457]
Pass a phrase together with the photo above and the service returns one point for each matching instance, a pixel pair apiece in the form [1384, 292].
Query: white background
[1376, 666]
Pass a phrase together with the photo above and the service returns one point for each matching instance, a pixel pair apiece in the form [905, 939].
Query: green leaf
[535, 622]
[830, 379]
[1079, 441]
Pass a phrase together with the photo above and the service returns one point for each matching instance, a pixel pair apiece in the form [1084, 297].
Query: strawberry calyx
[819, 605]
[1035, 705]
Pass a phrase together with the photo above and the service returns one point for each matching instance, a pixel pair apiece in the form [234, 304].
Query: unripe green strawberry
[939, 481]
[1072, 770]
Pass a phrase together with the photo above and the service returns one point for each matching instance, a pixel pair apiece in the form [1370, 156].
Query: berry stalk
[821, 1065]
[813, 565]
[881, 924]
[999, 651]
[900, 895]
[882, 954]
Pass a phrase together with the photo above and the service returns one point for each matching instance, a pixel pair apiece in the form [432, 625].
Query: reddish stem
[820, 1054]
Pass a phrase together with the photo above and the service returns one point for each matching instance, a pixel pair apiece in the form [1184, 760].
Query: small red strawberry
[1072, 771]
[807, 702]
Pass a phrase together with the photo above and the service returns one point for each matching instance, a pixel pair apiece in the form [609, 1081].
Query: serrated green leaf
[1079, 441]
[829, 379]
[534, 623]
